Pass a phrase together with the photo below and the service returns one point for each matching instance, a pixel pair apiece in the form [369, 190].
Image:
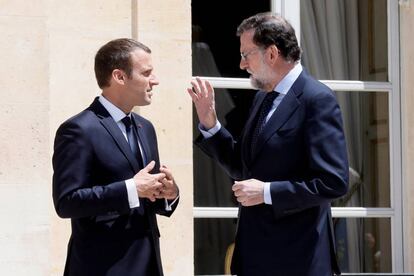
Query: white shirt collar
[286, 83]
[116, 113]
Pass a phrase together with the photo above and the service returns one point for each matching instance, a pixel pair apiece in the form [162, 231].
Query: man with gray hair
[290, 162]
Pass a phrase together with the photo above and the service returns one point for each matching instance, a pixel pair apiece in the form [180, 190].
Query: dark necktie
[132, 139]
[261, 116]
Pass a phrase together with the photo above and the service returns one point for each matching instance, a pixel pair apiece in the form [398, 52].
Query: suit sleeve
[73, 194]
[223, 148]
[326, 177]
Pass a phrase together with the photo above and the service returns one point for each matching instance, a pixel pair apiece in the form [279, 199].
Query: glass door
[351, 46]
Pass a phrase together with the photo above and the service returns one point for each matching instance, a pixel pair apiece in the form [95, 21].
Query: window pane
[363, 245]
[212, 186]
[345, 39]
[212, 239]
[366, 125]
[216, 48]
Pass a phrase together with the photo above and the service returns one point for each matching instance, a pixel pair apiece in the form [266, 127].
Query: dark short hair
[271, 29]
[115, 55]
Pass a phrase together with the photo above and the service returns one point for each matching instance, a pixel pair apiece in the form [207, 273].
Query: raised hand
[202, 94]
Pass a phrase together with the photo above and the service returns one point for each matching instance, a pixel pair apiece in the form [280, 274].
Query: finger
[165, 182]
[210, 89]
[251, 202]
[237, 186]
[193, 95]
[156, 186]
[246, 203]
[167, 172]
[203, 90]
[158, 176]
[241, 199]
[238, 193]
[156, 193]
[149, 167]
[195, 87]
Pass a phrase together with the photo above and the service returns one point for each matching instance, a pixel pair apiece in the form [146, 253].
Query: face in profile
[254, 62]
[139, 85]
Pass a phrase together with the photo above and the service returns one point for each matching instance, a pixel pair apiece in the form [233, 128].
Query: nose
[243, 64]
[154, 80]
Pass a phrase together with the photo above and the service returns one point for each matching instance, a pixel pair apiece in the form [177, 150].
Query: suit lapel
[284, 111]
[246, 137]
[110, 125]
[142, 139]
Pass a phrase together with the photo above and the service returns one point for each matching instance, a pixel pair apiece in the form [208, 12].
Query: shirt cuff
[266, 193]
[132, 192]
[168, 205]
[210, 132]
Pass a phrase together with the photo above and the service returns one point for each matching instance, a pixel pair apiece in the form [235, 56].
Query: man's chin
[253, 82]
[148, 101]
[258, 84]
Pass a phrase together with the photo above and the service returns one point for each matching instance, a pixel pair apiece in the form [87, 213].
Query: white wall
[47, 51]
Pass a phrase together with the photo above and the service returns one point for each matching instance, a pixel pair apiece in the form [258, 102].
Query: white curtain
[330, 44]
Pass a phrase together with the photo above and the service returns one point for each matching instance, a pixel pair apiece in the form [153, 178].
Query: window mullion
[339, 212]
[336, 85]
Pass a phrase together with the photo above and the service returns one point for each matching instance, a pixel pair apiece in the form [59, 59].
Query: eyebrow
[146, 69]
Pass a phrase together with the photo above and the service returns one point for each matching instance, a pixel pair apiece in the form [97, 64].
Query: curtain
[330, 44]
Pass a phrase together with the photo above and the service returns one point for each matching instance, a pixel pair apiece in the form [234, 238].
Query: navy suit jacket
[302, 152]
[91, 160]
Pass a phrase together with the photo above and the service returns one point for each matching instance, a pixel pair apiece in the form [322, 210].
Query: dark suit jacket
[302, 151]
[91, 161]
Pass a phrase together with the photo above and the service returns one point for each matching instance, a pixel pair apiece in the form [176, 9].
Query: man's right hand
[148, 185]
[202, 94]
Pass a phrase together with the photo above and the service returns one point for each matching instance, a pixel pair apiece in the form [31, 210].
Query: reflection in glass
[366, 126]
[345, 39]
[216, 22]
[212, 240]
[363, 245]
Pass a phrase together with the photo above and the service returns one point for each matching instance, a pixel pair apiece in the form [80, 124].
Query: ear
[274, 53]
[119, 76]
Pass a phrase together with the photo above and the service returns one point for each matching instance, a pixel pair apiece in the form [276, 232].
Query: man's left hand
[249, 192]
[169, 189]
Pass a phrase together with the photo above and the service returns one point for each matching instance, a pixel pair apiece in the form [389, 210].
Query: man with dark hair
[107, 178]
[290, 162]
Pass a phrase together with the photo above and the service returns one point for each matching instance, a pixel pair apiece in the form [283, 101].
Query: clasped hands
[249, 192]
[155, 186]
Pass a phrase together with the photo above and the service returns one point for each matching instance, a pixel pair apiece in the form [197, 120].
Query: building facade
[362, 49]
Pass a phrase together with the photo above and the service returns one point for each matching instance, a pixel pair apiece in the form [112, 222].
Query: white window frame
[290, 9]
